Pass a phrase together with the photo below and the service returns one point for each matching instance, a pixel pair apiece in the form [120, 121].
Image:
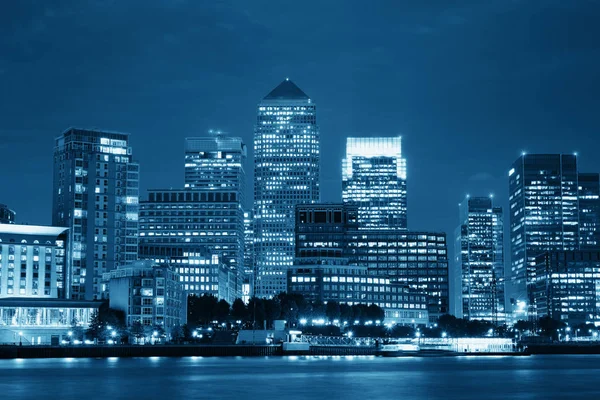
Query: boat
[398, 350]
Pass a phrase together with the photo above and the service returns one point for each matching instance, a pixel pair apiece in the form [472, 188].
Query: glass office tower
[374, 178]
[286, 173]
[95, 195]
[480, 259]
[544, 216]
[215, 162]
[589, 211]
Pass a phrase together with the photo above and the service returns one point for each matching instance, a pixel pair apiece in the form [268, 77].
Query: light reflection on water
[337, 377]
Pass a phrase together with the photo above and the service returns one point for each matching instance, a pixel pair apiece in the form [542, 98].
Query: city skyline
[464, 115]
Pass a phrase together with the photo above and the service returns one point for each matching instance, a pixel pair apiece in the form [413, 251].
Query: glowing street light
[444, 334]
[303, 321]
[70, 333]
[113, 334]
[350, 334]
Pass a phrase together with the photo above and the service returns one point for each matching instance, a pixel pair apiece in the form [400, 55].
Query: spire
[287, 90]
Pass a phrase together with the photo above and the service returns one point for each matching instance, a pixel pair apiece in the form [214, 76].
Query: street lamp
[444, 334]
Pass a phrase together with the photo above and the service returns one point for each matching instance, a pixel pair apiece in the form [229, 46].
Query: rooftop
[286, 90]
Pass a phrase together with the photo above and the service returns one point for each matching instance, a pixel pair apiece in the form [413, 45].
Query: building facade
[216, 163]
[207, 222]
[322, 233]
[418, 260]
[95, 195]
[286, 173]
[7, 216]
[374, 178]
[149, 293]
[550, 210]
[480, 259]
[249, 257]
[567, 286]
[33, 261]
[589, 211]
[356, 285]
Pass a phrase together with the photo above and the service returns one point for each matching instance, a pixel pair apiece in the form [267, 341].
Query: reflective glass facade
[418, 260]
[567, 286]
[374, 178]
[550, 210]
[356, 285]
[480, 259]
[589, 211]
[95, 195]
[286, 173]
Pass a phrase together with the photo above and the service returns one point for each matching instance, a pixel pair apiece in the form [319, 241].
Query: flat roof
[15, 229]
[48, 303]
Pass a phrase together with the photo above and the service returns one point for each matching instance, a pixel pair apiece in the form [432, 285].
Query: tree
[550, 326]
[238, 310]
[256, 310]
[272, 310]
[346, 313]
[201, 309]
[137, 330]
[177, 334]
[375, 313]
[222, 310]
[332, 311]
[96, 326]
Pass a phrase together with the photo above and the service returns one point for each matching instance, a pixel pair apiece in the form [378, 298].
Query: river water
[285, 378]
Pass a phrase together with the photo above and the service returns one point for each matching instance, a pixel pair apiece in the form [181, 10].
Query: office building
[286, 173]
[355, 285]
[95, 195]
[418, 260]
[216, 162]
[7, 216]
[374, 178]
[589, 211]
[206, 222]
[249, 257]
[322, 233]
[149, 293]
[33, 261]
[328, 234]
[567, 286]
[553, 207]
[480, 259]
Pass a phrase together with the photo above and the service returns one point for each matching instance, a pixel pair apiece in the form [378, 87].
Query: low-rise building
[355, 285]
[149, 293]
[30, 321]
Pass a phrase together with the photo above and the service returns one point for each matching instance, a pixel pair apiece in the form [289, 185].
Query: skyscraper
[374, 178]
[589, 211]
[480, 259]
[215, 163]
[544, 216]
[286, 173]
[95, 195]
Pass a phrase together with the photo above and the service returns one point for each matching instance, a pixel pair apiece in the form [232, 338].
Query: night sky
[468, 85]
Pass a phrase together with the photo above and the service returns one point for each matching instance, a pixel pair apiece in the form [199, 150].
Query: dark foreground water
[285, 378]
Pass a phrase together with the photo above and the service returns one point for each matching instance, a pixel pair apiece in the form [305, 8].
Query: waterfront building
[95, 195]
[148, 293]
[356, 285]
[374, 178]
[589, 211]
[33, 261]
[480, 259]
[286, 173]
[249, 257]
[7, 216]
[174, 222]
[551, 210]
[329, 234]
[42, 321]
[418, 260]
[322, 233]
[567, 286]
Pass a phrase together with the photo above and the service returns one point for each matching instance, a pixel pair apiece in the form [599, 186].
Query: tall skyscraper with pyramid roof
[286, 173]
